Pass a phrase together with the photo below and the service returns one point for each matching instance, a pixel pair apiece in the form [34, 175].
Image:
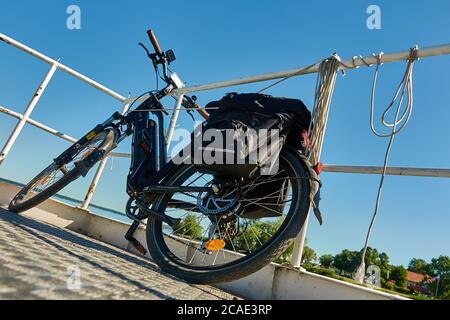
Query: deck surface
[39, 261]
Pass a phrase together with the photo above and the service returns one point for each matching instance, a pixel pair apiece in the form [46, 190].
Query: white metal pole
[97, 176]
[394, 171]
[54, 132]
[299, 244]
[37, 95]
[355, 62]
[64, 68]
[173, 120]
[38, 125]
[437, 286]
[98, 173]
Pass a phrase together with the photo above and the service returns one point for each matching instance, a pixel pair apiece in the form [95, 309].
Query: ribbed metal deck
[39, 261]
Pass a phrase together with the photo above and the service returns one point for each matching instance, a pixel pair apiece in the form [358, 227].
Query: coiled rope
[326, 80]
[398, 124]
[324, 91]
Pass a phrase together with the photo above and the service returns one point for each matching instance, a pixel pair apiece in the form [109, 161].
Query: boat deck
[39, 261]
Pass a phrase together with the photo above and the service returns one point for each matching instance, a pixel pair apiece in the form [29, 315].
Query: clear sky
[219, 40]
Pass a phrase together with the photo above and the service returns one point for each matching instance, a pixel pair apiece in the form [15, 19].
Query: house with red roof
[417, 282]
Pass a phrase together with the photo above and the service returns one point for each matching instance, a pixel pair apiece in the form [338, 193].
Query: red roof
[415, 277]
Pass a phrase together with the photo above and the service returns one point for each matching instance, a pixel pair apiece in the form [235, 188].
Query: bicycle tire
[281, 241]
[18, 207]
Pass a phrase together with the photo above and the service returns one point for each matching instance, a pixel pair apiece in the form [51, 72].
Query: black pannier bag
[251, 111]
[241, 114]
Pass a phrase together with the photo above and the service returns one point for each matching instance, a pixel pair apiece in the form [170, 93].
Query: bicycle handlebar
[162, 56]
[203, 113]
[154, 41]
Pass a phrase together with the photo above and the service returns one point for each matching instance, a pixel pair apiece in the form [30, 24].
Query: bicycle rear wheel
[57, 176]
[217, 240]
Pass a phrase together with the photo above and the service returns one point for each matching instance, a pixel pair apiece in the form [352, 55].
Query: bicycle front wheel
[57, 176]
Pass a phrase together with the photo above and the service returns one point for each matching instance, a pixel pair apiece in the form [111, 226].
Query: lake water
[100, 211]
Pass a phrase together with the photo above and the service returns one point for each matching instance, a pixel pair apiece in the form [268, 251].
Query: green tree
[346, 261]
[446, 295]
[189, 227]
[440, 267]
[286, 255]
[326, 260]
[373, 257]
[419, 266]
[308, 256]
[253, 235]
[399, 275]
[249, 238]
[385, 267]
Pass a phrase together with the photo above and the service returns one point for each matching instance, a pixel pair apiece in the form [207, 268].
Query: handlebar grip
[154, 41]
[202, 112]
[193, 105]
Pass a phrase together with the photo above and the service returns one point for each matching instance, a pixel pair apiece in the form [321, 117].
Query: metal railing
[25, 117]
[355, 62]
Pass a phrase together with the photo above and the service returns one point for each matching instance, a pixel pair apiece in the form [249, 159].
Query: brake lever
[146, 50]
[164, 111]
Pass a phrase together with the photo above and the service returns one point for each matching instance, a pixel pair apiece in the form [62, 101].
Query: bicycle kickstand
[130, 237]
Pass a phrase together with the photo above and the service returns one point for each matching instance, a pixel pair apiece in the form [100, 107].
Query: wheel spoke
[222, 217]
[54, 173]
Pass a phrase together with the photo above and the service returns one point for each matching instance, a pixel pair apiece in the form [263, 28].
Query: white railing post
[98, 174]
[299, 245]
[324, 94]
[37, 95]
[173, 120]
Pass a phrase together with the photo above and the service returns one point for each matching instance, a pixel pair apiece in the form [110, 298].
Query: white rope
[406, 85]
[324, 92]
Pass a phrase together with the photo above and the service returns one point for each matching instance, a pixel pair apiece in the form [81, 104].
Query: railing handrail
[356, 62]
[62, 67]
[52, 131]
[400, 171]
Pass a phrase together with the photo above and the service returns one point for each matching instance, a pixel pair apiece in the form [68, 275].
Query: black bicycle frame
[148, 151]
[149, 166]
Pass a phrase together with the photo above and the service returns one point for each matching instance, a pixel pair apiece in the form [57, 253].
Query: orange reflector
[318, 168]
[215, 245]
[44, 180]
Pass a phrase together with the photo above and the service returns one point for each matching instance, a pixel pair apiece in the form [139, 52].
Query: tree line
[392, 277]
[436, 272]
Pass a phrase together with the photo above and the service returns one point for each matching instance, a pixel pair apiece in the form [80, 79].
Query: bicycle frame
[148, 154]
[149, 165]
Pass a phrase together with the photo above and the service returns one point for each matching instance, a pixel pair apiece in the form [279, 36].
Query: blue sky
[219, 40]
